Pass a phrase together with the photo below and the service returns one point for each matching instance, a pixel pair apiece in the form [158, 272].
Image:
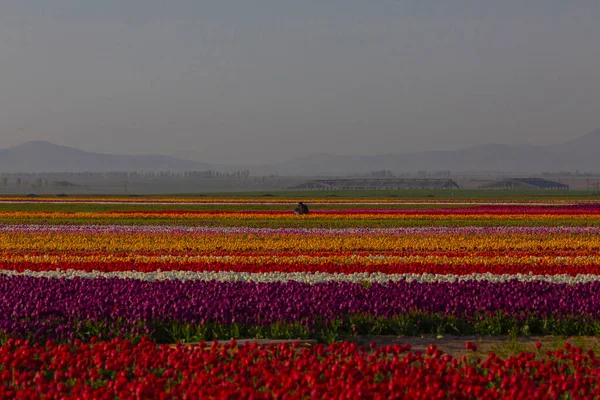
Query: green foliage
[327, 331]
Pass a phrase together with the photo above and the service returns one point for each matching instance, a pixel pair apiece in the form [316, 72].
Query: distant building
[525, 184]
[381, 174]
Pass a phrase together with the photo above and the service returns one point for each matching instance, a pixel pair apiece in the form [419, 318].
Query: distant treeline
[126, 175]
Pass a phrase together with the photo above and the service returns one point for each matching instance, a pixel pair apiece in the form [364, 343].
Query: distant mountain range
[581, 154]
[42, 156]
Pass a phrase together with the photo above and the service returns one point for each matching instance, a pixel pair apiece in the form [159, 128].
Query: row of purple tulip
[40, 307]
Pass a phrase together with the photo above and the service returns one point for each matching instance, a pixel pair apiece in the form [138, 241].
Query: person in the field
[301, 209]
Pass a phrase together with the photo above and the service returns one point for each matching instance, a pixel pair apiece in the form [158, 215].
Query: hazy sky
[268, 80]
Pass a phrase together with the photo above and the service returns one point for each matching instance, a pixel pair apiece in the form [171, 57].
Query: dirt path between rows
[501, 345]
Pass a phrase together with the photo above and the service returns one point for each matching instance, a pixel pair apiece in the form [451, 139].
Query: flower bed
[560, 254]
[140, 278]
[172, 310]
[475, 214]
[121, 369]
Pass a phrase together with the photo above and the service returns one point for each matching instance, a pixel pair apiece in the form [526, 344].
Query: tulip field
[98, 295]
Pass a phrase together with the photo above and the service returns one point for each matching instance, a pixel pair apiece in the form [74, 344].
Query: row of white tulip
[305, 277]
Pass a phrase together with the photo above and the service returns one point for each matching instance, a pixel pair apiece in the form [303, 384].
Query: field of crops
[94, 293]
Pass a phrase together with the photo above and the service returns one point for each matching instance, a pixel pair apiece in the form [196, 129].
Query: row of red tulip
[287, 371]
[299, 267]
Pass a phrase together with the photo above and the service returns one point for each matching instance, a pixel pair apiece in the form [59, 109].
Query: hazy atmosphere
[233, 81]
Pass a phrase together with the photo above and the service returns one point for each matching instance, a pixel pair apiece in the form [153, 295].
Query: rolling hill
[40, 156]
[578, 154]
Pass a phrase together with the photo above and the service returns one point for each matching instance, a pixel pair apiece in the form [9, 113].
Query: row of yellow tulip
[116, 242]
